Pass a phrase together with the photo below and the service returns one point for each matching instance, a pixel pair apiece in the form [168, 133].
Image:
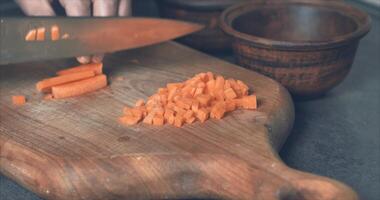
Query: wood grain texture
[75, 148]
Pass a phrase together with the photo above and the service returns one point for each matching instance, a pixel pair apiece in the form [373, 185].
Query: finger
[125, 8]
[84, 59]
[36, 7]
[77, 8]
[105, 8]
[97, 58]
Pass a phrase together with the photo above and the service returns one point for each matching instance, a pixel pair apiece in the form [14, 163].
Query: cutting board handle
[229, 178]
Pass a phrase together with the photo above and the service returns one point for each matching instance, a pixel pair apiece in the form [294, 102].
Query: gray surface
[337, 135]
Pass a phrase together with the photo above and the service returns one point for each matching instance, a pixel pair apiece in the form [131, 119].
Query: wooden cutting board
[76, 149]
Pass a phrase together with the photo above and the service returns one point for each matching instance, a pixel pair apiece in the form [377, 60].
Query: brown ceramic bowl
[308, 46]
[206, 12]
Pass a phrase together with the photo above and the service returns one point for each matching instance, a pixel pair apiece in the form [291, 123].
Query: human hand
[78, 8]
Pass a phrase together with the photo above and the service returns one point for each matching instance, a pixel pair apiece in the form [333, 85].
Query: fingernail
[84, 59]
[97, 58]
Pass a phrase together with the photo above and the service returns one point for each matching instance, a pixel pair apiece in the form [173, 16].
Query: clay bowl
[206, 12]
[308, 46]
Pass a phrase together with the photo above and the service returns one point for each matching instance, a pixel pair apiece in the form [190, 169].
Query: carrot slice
[18, 100]
[96, 67]
[79, 87]
[55, 33]
[41, 34]
[46, 84]
[31, 35]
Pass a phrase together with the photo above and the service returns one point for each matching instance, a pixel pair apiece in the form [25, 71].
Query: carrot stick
[96, 67]
[41, 34]
[46, 84]
[31, 35]
[54, 33]
[79, 87]
[18, 100]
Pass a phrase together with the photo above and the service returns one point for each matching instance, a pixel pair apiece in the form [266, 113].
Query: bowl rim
[361, 18]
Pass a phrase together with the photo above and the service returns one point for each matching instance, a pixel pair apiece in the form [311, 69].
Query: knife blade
[84, 36]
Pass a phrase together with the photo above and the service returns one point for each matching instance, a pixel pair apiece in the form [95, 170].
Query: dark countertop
[337, 135]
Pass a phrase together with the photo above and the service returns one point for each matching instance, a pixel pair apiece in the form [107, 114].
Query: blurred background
[336, 135]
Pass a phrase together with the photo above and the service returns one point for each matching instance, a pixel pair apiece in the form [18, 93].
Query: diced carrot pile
[202, 97]
[74, 81]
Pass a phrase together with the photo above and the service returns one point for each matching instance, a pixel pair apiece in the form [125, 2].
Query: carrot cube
[18, 100]
[158, 120]
[230, 105]
[129, 120]
[218, 110]
[230, 93]
[249, 102]
[179, 120]
[202, 114]
[204, 99]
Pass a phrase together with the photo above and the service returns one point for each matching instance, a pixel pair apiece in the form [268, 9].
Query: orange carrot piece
[178, 121]
[158, 120]
[195, 106]
[96, 67]
[18, 100]
[149, 118]
[230, 105]
[184, 103]
[249, 102]
[171, 119]
[172, 86]
[46, 84]
[188, 114]
[31, 35]
[179, 110]
[210, 76]
[79, 87]
[198, 91]
[54, 33]
[168, 113]
[40, 34]
[230, 93]
[140, 102]
[210, 85]
[65, 36]
[218, 110]
[190, 120]
[243, 87]
[202, 114]
[129, 120]
[204, 99]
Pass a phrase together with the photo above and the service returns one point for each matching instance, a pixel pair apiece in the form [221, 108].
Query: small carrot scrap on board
[79, 87]
[65, 36]
[197, 99]
[18, 100]
[31, 35]
[96, 67]
[46, 84]
[41, 34]
[54, 33]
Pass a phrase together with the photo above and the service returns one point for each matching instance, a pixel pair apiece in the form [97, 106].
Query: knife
[82, 36]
